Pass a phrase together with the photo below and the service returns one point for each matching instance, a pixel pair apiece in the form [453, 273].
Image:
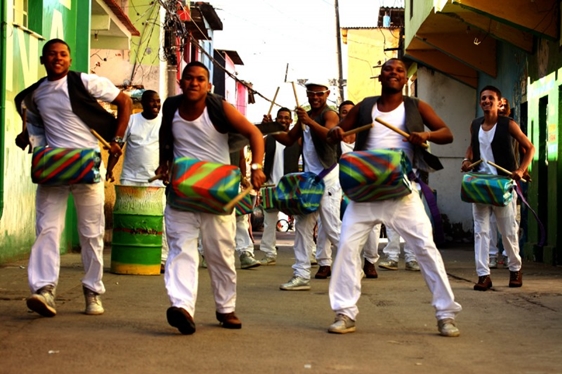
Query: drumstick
[359, 129]
[228, 207]
[24, 118]
[503, 169]
[395, 129]
[102, 140]
[474, 164]
[157, 176]
[295, 92]
[273, 101]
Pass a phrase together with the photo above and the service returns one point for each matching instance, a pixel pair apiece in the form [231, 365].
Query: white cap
[318, 82]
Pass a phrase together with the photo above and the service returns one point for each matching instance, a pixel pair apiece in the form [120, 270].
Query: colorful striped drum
[267, 198]
[201, 186]
[63, 166]
[299, 193]
[487, 189]
[375, 175]
[137, 230]
[245, 206]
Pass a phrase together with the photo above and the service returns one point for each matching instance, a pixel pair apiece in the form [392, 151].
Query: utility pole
[338, 41]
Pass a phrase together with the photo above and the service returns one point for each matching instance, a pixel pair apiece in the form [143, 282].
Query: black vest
[502, 144]
[290, 157]
[83, 104]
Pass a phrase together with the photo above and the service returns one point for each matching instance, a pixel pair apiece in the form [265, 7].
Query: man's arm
[468, 155]
[289, 138]
[249, 130]
[528, 150]
[331, 120]
[440, 132]
[124, 107]
[336, 133]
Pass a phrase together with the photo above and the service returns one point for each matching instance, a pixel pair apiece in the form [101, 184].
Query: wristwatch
[119, 140]
[256, 166]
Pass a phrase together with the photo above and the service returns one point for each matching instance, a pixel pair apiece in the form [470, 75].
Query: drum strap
[325, 172]
[438, 233]
[542, 241]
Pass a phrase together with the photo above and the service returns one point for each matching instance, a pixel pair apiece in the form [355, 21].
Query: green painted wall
[21, 48]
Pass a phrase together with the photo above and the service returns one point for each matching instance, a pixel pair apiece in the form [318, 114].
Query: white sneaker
[93, 302]
[342, 325]
[268, 261]
[412, 266]
[43, 302]
[493, 263]
[448, 327]
[389, 264]
[247, 261]
[296, 284]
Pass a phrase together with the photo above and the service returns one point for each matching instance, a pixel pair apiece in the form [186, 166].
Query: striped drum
[137, 230]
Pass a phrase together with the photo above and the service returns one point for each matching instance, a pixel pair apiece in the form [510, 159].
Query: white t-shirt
[199, 139]
[63, 128]
[381, 137]
[485, 139]
[142, 150]
[278, 163]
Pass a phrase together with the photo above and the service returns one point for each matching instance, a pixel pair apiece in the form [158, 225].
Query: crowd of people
[197, 124]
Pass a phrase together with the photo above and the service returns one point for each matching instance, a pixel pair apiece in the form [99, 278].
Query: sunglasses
[316, 93]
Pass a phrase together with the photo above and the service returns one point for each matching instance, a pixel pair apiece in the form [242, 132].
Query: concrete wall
[454, 102]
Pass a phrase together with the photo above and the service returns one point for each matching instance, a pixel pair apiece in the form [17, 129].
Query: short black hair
[51, 42]
[493, 89]
[283, 109]
[346, 102]
[146, 94]
[198, 64]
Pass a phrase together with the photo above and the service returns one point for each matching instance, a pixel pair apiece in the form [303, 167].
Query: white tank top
[485, 139]
[381, 137]
[199, 139]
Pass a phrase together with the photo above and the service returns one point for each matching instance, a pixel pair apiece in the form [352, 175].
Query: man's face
[317, 96]
[489, 101]
[284, 118]
[344, 110]
[502, 107]
[195, 83]
[393, 76]
[151, 105]
[57, 61]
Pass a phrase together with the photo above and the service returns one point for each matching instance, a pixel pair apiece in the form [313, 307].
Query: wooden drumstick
[503, 169]
[359, 129]
[295, 92]
[24, 118]
[228, 207]
[474, 164]
[157, 176]
[99, 137]
[273, 101]
[395, 129]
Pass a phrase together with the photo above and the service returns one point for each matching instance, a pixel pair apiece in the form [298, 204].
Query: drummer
[196, 124]
[406, 215]
[491, 140]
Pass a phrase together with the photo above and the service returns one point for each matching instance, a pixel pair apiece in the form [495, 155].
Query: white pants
[508, 228]
[329, 213]
[51, 203]
[370, 250]
[217, 237]
[243, 241]
[269, 236]
[392, 248]
[493, 236]
[407, 216]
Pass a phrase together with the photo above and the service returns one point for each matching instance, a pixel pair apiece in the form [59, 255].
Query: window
[21, 12]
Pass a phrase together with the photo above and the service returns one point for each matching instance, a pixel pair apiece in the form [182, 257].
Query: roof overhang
[111, 28]
[203, 18]
[460, 39]
[233, 55]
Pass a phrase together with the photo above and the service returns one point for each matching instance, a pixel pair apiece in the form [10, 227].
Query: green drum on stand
[136, 247]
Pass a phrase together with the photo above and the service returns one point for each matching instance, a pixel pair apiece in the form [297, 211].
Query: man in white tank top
[193, 134]
[496, 132]
[406, 215]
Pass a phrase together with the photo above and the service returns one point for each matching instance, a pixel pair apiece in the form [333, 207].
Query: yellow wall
[365, 49]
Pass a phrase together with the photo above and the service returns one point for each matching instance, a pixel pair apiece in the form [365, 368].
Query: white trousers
[217, 237]
[243, 241]
[392, 248]
[269, 235]
[407, 216]
[329, 212]
[493, 236]
[51, 203]
[370, 250]
[508, 227]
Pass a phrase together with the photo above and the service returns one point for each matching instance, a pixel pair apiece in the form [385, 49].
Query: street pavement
[502, 330]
